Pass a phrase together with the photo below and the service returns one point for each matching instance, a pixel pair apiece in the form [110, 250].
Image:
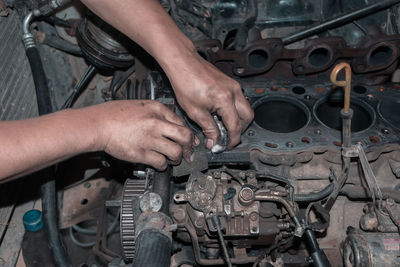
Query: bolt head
[246, 194]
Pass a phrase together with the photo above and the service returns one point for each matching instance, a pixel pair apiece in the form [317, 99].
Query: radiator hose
[153, 240]
[152, 249]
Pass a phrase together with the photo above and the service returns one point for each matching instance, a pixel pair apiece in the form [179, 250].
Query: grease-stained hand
[143, 132]
[201, 90]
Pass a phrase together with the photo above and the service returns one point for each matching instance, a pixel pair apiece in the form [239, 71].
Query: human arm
[136, 131]
[200, 88]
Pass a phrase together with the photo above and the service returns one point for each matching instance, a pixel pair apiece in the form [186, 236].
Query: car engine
[315, 179]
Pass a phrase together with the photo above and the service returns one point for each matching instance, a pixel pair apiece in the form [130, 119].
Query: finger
[207, 124]
[231, 121]
[244, 110]
[169, 115]
[168, 148]
[180, 135]
[155, 160]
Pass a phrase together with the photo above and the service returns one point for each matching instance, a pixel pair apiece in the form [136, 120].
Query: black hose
[119, 78]
[60, 44]
[48, 189]
[50, 211]
[57, 21]
[40, 80]
[359, 192]
[250, 19]
[318, 256]
[314, 196]
[161, 186]
[152, 249]
[80, 86]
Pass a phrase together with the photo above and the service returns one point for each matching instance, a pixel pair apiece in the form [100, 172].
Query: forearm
[146, 22]
[28, 145]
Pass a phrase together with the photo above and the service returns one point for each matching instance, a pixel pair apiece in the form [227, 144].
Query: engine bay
[315, 179]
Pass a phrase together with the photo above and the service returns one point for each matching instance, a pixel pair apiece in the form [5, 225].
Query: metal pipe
[201, 261]
[288, 207]
[339, 20]
[27, 36]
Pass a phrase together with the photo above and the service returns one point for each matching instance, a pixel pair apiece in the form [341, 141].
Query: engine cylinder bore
[319, 57]
[258, 58]
[381, 56]
[327, 111]
[389, 109]
[281, 114]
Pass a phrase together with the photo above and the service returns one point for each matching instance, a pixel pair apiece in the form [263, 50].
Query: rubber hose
[152, 249]
[48, 189]
[60, 44]
[161, 186]
[49, 209]
[40, 80]
[314, 196]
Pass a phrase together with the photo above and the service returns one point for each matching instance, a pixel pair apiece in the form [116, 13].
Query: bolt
[250, 133]
[390, 202]
[381, 228]
[199, 222]
[246, 193]
[251, 174]
[317, 131]
[253, 216]
[307, 97]
[202, 186]
[87, 185]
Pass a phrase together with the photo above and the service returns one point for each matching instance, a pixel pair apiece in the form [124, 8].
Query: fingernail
[210, 143]
[196, 141]
[191, 159]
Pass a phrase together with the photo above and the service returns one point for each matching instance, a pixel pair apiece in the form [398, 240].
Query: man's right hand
[143, 132]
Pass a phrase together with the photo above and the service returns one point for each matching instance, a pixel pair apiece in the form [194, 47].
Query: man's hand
[144, 132]
[201, 90]
[136, 131]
